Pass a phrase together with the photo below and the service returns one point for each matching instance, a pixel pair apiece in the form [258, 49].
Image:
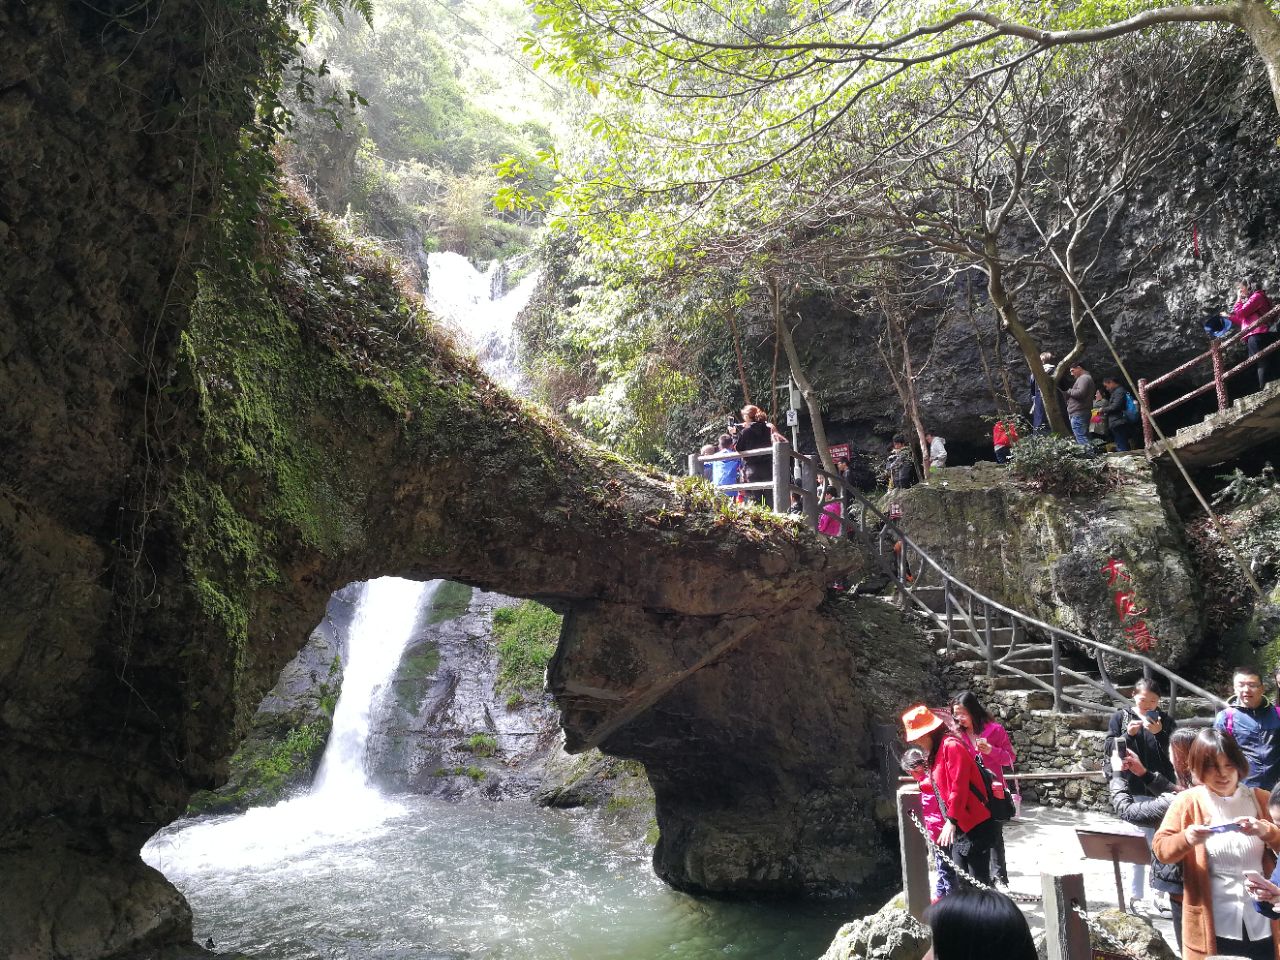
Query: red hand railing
[1217, 384]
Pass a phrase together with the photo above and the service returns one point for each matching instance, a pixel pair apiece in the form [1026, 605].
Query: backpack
[1131, 412]
[997, 800]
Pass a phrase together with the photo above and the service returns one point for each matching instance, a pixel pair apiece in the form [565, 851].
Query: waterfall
[341, 807]
[482, 307]
[384, 619]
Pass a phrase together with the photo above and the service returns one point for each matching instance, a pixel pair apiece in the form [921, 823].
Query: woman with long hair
[755, 433]
[1220, 831]
[987, 741]
[979, 925]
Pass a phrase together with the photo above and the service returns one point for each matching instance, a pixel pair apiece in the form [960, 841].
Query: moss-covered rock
[1051, 557]
[888, 934]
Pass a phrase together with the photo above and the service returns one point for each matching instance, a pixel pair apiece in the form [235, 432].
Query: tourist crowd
[1205, 799]
[1103, 416]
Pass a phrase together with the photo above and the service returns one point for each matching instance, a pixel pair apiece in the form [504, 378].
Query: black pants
[1253, 949]
[999, 869]
[1264, 366]
[972, 851]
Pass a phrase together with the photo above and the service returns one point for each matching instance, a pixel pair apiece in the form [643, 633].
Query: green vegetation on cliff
[527, 635]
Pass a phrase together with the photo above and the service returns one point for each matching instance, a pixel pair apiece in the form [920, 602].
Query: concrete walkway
[1044, 839]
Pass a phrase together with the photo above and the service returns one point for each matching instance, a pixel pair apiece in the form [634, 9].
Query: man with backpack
[1255, 723]
[1120, 412]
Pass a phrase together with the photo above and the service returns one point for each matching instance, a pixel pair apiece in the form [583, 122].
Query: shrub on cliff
[527, 635]
[1052, 464]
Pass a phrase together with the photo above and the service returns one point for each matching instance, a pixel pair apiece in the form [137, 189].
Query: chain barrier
[940, 853]
[1101, 935]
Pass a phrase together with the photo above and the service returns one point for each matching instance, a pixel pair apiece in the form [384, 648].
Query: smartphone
[1122, 749]
[1224, 828]
[1253, 876]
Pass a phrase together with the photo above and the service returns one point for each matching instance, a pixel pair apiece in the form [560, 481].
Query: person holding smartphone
[1220, 831]
[1143, 730]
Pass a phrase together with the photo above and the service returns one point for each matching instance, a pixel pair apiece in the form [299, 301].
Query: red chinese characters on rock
[1139, 635]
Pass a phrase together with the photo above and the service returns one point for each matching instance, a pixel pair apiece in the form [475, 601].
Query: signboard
[793, 418]
[839, 451]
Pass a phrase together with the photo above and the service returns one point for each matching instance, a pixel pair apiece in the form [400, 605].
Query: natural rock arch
[191, 465]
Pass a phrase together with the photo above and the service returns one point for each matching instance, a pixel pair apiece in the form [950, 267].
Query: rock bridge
[194, 460]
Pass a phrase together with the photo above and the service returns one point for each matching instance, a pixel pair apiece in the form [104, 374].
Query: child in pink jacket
[916, 764]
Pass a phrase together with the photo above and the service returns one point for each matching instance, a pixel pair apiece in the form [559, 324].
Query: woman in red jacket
[969, 831]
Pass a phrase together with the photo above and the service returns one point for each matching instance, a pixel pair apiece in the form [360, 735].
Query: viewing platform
[1250, 422]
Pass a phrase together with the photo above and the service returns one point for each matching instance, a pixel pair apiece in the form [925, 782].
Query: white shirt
[1230, 855]
[937, 453]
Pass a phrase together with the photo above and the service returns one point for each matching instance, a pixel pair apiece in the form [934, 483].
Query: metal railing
[1217, 384]
[963, 607]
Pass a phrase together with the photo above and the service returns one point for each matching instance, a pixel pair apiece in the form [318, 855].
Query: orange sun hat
[919, 721]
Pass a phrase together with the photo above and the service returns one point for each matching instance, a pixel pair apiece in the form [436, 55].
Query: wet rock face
[291, 727]
[757, 790]
[444, 726]
[1052, 558]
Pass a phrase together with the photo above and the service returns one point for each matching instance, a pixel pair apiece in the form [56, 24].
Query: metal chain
[1098, 932]
[941, 854]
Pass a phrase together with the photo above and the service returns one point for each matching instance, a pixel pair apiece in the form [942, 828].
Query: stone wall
[1043, 741]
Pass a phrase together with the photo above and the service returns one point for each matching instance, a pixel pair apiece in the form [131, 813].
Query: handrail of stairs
[960, 599]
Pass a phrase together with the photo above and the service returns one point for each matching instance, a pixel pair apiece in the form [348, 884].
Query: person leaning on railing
[1249, 314]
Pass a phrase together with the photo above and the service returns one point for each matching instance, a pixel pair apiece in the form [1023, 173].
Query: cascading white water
[341, 806]
[383, 621]
[478, 305]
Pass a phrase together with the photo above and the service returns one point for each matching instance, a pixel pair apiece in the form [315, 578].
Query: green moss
[451, 601]
[266, 776]
[482, 744]
[527, 635]
[652, 834]
[515, 700]
[417, 668]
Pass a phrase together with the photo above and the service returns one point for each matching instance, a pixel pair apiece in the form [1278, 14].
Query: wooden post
[1219, 383]
[695, 468]
[1148, 431]
[1057, 675]
[946, 605]
[915, 853]
[809, 484]
[991, 643]
[781, 476]
[1173, 699]
[1065, 933]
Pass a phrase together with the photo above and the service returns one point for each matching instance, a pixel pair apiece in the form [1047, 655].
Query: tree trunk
[1030, 349]
[1256, 18]
[806, 389]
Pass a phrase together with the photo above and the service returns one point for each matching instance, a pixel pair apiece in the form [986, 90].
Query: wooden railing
[963, 606]
[1218, 384]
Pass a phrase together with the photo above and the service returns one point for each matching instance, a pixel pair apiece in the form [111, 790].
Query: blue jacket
[725, 471]
[1258, 733]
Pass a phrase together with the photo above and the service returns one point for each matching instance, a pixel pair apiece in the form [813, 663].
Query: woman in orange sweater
[1219, 831]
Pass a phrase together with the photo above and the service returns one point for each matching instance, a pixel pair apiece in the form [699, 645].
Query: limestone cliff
[195, 460]
[1049, 556]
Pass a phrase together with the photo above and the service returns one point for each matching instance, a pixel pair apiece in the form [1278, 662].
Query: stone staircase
[1025, 668]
